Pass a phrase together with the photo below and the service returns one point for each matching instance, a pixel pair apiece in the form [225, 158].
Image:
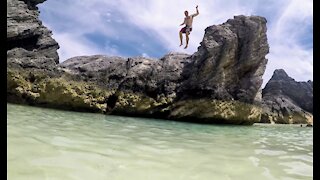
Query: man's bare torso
[189, 21]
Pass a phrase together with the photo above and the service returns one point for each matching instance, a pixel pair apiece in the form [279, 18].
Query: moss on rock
[59, 92]
[292, 118]
[136, 103]
[216, 111]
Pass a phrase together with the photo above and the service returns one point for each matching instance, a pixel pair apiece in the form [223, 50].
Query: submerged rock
[220, 83]
[309, 125]
[287, 101]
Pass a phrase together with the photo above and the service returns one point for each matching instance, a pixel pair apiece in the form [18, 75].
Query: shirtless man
[188, 28]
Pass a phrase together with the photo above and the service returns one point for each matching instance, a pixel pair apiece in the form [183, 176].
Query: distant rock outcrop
[287, 101]
[220, 83]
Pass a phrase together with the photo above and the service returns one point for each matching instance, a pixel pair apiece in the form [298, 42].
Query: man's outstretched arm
[196, 14]
[184, 22]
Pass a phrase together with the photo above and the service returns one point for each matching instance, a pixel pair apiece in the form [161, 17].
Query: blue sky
[150, 28]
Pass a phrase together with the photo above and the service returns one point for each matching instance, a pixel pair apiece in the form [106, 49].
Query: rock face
[287, 101]
[220, 83]
[230, 62]
[29, 43]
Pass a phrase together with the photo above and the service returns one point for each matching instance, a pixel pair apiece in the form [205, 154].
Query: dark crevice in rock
[151, 93]
[27, 43]
[31, 5]
[111, 102]
[32, 78]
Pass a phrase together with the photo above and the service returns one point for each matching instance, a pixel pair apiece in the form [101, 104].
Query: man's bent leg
[187, 39]
[180, 34]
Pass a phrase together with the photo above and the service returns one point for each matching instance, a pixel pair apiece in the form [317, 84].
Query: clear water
[52, 144]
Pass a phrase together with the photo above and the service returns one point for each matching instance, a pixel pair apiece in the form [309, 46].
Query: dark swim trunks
[186, 29]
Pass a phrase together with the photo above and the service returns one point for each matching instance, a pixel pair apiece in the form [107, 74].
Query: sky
[150, 28]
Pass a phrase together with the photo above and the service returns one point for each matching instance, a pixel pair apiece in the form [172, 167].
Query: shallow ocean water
[53, 144]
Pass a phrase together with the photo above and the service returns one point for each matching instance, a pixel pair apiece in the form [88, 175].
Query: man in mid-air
[188, 28]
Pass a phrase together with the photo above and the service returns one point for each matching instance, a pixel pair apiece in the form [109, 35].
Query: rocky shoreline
[220, 83]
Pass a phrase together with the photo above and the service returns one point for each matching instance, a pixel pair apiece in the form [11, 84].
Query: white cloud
[165, 16]
[161, 20]
[286, 52]
[295, 61]
[145, 55]
[75, 46]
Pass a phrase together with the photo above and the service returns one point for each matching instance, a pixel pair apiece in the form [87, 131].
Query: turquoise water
[51, 144]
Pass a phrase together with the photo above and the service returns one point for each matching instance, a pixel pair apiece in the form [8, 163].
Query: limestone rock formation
[287, 101]
[230, 62]
[29, 43]
[220, 83]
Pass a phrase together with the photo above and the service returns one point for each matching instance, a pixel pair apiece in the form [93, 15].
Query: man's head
[186, 13]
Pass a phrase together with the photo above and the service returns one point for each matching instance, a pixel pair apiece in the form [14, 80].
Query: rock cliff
[287, 101]
[220, 83]
[29, 43]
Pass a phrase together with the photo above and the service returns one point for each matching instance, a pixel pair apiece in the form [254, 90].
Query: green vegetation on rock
[33, 87]
[216, 111]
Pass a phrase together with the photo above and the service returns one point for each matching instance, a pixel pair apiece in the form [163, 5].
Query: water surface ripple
[52, 144]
